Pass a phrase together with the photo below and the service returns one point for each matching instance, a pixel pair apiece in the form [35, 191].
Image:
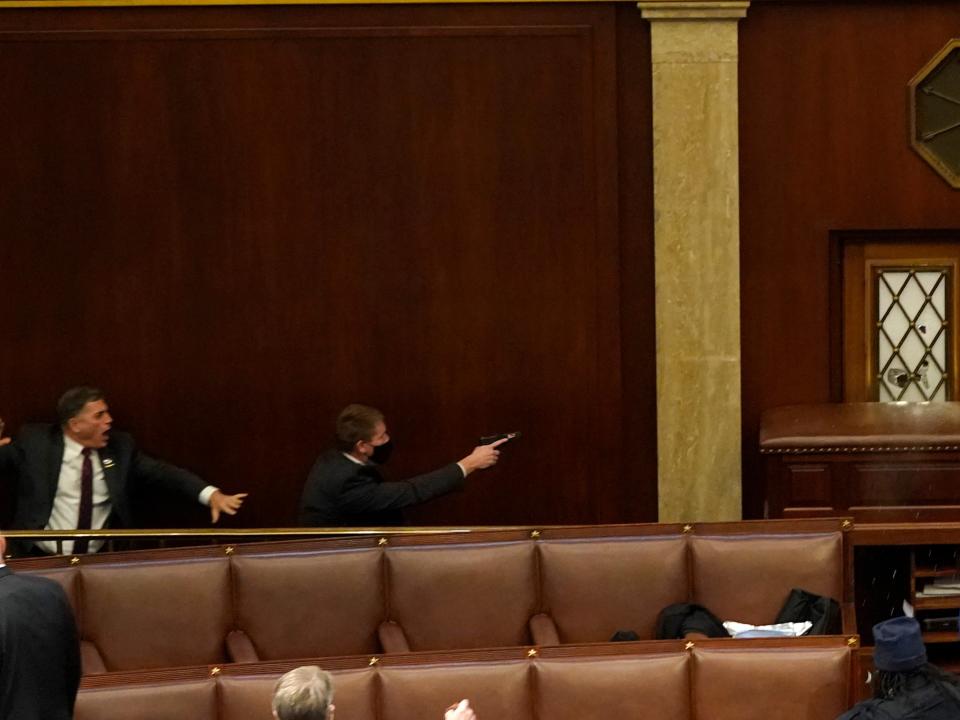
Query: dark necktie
[86, 501]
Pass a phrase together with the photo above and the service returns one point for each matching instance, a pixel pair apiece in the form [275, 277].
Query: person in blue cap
[906, 686]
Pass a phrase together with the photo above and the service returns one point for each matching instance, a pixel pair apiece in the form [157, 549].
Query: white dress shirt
[66, 503]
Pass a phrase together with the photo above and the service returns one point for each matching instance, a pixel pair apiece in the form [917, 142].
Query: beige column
[697, 245]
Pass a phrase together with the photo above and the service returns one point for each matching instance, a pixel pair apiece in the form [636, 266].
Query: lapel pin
[107, 463]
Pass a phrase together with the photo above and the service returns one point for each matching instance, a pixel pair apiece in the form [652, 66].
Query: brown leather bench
[155, 614]
[301, 604]
[747, 577]
[248, 696]
[275, 601]
[789, 683]
[803, 679]
[444, 597]
[594, 586]
[163, 700]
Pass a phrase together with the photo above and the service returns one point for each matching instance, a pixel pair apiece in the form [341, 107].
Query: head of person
[901, 658]
[84, 416]
[362, 432]
[305, 693]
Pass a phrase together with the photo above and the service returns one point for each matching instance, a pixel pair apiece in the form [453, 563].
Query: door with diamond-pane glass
[899, 308]
[912, 332]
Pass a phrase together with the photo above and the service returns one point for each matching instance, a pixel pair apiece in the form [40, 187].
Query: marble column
[697, 245]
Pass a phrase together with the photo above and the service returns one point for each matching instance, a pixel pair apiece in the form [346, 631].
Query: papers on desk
[941, 586]
[788, 629]
[935, 591]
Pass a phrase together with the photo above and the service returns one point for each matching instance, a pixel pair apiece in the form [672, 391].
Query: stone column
[697, 245]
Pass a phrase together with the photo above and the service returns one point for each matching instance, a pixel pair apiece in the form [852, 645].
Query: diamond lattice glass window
[913, 333]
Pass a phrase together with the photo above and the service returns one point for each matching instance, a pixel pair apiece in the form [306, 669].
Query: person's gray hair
[305, 693]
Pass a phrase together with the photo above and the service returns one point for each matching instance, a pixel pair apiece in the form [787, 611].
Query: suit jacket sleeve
[39, 649]
[72, 665]
[9, 458]
[362, 496]
[9, 461]
[157, 473]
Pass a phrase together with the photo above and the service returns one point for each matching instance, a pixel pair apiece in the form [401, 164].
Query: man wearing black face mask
[345, 488]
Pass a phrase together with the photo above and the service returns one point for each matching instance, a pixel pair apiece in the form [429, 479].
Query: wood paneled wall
[823, 146]
[237, 220]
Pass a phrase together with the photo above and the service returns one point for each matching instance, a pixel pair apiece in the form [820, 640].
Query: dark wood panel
[920, 484]
[809, 484]
[870, 487]
[638, 321]
[823, 146]
[238, 231]
[928, 514]
[810, 512]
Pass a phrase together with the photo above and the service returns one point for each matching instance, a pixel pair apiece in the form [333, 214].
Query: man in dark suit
[39, 650]
[80, 475]
[345, 487]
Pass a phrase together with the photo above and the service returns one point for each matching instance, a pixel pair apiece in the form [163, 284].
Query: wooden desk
[891, 563]
[876, 462]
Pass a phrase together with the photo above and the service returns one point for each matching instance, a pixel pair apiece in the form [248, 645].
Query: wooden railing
[137, 539]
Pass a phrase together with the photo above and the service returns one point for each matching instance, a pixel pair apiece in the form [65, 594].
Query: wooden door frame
[840, 241]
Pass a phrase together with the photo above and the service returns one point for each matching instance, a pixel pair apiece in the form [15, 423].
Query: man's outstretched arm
[362, 494]
[8, 457]
[163, 474]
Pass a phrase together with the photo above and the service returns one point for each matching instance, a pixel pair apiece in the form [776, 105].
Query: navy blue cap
[899, 645]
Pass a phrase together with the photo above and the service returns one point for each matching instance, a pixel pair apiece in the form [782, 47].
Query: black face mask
[381, 453]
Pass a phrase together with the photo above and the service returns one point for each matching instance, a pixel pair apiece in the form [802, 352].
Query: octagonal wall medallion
[935, 113]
